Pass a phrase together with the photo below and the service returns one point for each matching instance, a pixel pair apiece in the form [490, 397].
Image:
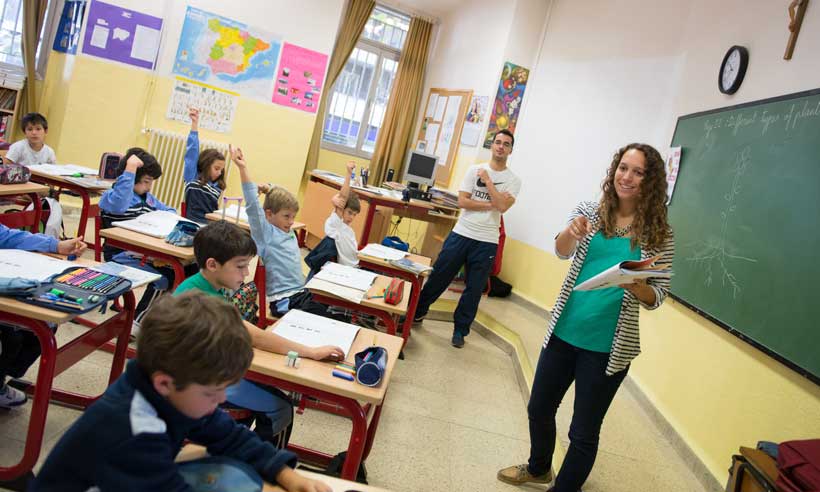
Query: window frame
[50, 24]
[382, 51]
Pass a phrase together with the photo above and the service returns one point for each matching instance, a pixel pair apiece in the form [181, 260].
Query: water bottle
[390, 173]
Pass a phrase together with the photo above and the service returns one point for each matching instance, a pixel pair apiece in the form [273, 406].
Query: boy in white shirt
[346, 207]
[33, 150]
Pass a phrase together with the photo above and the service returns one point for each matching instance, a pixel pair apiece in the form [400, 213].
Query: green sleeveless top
[589, 317]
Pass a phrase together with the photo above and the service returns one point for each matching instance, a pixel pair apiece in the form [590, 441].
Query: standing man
[487, 191]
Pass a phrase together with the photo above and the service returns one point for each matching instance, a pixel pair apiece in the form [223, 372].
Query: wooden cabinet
[9, 103]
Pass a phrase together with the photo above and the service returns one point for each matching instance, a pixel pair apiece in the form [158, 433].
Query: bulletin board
[440, 130]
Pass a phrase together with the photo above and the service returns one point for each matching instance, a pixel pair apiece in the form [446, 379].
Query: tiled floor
[452, 418]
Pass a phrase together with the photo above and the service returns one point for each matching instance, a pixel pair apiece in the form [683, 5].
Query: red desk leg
[368, 224]
[52, 363]
[38, 211]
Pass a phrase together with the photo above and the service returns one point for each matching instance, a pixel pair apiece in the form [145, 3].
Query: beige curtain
[355, 17]
[34, 13]
[396, 132]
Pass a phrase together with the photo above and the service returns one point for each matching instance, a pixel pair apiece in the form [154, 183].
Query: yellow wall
[94, 106]
[717, 391]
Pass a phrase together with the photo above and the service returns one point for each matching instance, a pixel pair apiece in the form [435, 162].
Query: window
[11, 36]
[360, 95]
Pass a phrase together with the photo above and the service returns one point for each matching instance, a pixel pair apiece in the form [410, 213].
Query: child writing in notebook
[346, 207]
[190, 350]
[204, 175]
[128, 198]
[277, 245]
[20, 348]
[223, 252]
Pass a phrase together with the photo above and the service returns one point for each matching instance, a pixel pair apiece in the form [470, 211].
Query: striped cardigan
[626, 345]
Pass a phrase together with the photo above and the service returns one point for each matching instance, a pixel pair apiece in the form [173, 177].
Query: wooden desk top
[14, 306]
[61, 179]
[195, 452]
[217, 216]
[382, 281]
[396, 202]
[148, 242]
[22, 189]
[317, 375]
[422, 260]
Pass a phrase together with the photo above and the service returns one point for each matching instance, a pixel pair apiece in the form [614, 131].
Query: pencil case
[76, 290]
[183, 234]
[370, 365]
[394, 291]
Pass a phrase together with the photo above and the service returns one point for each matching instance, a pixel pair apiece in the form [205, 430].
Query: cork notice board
[440, 130]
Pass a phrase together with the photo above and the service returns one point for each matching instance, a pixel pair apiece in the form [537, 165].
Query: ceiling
[435, 8]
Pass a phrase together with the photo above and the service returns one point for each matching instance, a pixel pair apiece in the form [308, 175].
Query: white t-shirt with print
[347, 248]
[20, 152]
[483, 225]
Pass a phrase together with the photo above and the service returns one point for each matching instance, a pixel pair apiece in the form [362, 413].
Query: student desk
[195, 452]
[384, 266]
[54, 362]
[152, 247]
[298, 228]
[376, 307]
[322, 187]
[314, 378]
[84, 192]
[21, 219]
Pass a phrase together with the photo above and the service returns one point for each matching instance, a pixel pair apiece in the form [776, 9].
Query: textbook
[411, 266]
[158, 223]
[626, 272]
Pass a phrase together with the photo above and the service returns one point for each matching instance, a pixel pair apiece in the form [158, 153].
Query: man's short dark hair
[34, 119]
[507, 133]
[150, 166]
[222, 241]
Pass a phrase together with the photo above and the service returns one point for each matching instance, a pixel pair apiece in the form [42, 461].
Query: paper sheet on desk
[157, 224]
[63, 169]
[231, 211]
[381, 251]
[346, 276]
[92, 182]
[137, 277]
[315, 331]
[16, 263]
[347, 293]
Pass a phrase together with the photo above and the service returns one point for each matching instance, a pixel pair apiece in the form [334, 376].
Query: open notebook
[157, 224]
[626, 272]
[315, 331]
[342, 281]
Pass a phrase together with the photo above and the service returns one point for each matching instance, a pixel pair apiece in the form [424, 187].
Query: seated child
[204, 175]
[190, 349]
[337, 226]
[130, 197]
[20, 348]
[223, 252]
[33, 149]
[277, 245]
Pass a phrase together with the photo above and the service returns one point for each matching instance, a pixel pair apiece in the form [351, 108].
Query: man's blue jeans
[477, 258]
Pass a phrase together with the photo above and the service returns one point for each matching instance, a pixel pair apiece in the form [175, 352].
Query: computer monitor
[421, 168]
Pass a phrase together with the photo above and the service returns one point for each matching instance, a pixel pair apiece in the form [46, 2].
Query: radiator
[169, 149]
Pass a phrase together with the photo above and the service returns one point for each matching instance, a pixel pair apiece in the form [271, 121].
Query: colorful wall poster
[122, 35]
[474, 120]
[216, 106]
[225, 53]
[300, 78]
[507, 104]
[67, 37]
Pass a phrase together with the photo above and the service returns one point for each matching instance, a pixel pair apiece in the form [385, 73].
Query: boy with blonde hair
[277, 245]
[189, 350]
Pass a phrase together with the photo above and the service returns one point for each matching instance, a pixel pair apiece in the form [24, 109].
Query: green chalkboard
[746, 216]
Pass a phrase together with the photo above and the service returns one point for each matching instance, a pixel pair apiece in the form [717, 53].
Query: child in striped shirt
[204, 175]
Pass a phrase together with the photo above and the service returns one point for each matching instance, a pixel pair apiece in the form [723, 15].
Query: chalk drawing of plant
[713, 253]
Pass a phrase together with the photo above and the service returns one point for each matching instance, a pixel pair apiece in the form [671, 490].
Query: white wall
[614, 72]
[471, 46]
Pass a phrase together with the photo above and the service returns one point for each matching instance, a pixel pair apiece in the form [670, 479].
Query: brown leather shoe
[518, 475]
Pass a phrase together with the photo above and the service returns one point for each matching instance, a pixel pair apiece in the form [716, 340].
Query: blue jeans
[477, 258]
[559, 364]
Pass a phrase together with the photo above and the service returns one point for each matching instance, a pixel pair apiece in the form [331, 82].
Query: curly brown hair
[650, 227]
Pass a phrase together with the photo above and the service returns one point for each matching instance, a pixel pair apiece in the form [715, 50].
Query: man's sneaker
[11, 397]
[458, 340]
[518, 475]
[418, 319]
[135, 330]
